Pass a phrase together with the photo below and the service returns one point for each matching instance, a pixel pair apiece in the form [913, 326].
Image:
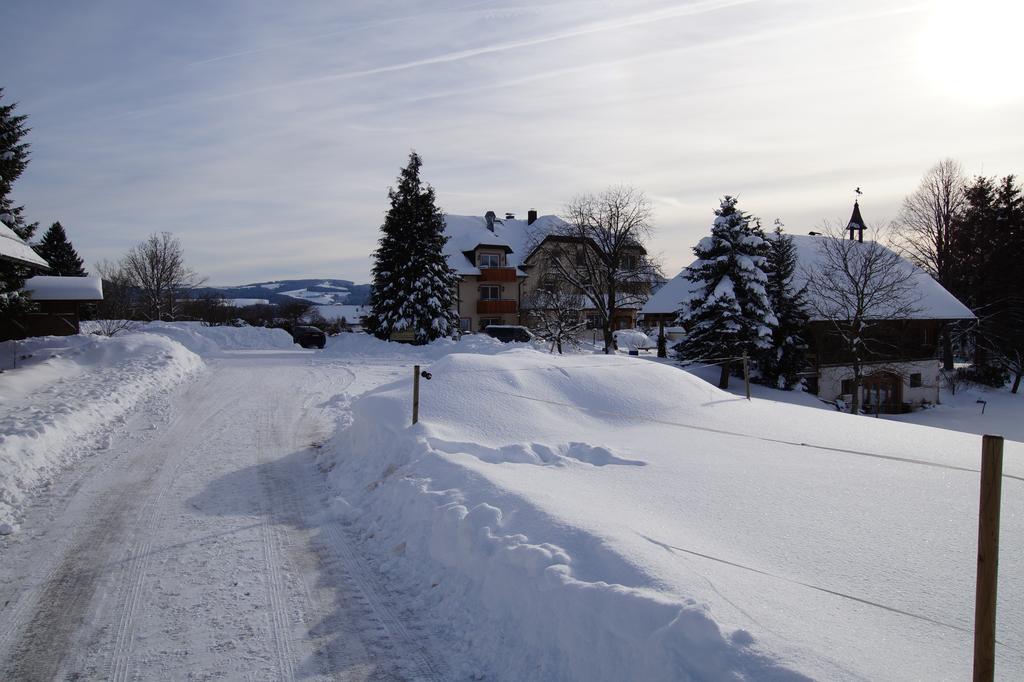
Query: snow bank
[593, 518]
[369, 346]
[68, 390]
[511, 588]
[204, 340]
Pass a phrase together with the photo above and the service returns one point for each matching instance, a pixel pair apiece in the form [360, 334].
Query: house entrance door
[883, 392]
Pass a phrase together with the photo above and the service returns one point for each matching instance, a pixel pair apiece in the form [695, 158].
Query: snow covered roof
[466, 233]
[14, 248]
[46, 288]
[934, 302]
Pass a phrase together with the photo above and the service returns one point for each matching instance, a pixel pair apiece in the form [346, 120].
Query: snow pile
[204, 340]
[369, 346]
[595, 518]
[66, 392]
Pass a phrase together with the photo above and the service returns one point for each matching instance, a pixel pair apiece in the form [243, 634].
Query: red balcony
[497, 275]
[496, 307]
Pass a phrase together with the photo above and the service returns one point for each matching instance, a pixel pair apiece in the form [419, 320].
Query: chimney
[489, 217]
[510, 216]
[531, 216]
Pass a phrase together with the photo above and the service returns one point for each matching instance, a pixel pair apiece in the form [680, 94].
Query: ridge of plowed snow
[592, 517]
[65, 392]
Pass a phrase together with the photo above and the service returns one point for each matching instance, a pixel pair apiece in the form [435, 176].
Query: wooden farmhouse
[901, 373]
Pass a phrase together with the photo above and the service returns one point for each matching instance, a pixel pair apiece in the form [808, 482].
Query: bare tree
[857, 288]
[926, 229]
[211, 309]
[555, 314]
[601, 253]
[114, 314]
[156, 267]
[294, 312]
[927, 220]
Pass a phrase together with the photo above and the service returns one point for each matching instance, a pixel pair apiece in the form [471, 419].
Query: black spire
[856, 222]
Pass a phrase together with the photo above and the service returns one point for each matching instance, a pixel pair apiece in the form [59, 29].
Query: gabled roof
[14, 248]
[556, 238]
[468, 233]
[934, 302]
[47, 288]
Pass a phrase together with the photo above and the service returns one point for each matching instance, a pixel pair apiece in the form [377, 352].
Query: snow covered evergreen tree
[13, 161]
[780, 364]
[59, 253]
[731, 314]
[413, 287]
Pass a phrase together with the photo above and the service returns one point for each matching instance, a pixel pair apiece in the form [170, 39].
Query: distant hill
[318, 291]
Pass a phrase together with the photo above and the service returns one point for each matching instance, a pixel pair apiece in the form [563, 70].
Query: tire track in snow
[373, 594]
[66, 488]
[361, 581]
[273, 558]
[138, 557]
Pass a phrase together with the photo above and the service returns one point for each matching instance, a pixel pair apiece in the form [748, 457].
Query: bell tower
[856, 223]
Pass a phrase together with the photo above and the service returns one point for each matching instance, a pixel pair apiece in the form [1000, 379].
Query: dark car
[309, 337]
[509, 333]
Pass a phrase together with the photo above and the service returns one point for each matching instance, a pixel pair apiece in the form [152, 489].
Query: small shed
[59, 301]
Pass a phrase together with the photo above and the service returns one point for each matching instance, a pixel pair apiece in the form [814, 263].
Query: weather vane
[858, 192]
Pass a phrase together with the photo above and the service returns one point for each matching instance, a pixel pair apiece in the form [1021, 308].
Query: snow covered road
[194, 546]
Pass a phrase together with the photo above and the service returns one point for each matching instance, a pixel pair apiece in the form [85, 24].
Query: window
[465, 323]
[490, 292]
[487, 321]
[490, 260]
[581, 258]
[915, 380]
[847, 388]
[593, 321]
[629, 261]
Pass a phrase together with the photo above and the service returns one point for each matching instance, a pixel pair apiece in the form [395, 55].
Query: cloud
[266, 136]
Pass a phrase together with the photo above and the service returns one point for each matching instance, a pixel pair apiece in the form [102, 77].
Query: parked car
[309, 337]
[509, 332]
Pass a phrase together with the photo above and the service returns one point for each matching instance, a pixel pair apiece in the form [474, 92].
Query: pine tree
[781, 364]
[413, 287]
[13, 161]
[59, 253]
[731, 314]
[1003, 321]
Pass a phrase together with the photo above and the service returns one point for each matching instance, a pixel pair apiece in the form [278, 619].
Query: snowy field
[1000, 416]
[551, 518]
[622, 519]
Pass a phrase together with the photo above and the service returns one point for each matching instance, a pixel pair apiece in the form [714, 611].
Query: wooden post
[988, 558]
[415, 393]
[746, 373]
[662, 341]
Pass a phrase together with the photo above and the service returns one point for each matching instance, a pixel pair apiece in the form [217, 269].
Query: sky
[265, 135]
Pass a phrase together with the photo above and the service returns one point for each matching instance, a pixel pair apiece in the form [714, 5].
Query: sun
[970, 49]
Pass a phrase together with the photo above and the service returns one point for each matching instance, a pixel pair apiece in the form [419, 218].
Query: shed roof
[14, 248]
[48, 288]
